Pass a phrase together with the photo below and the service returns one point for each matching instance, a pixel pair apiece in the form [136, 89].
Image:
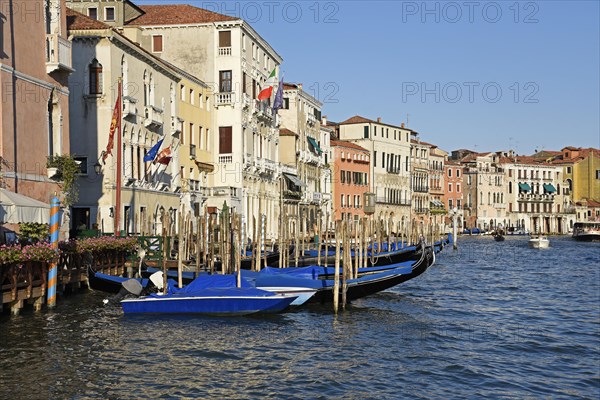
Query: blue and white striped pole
[54, 227]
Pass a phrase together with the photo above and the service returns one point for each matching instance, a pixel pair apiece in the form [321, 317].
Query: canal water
[494, 320]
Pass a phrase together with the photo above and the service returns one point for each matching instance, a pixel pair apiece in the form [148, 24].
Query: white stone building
[100, 57]
[389, 147]
[228, 54]
[534, 196]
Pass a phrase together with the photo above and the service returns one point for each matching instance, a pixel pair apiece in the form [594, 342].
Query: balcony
[192, 151]
[154, 117]
[224, 98]
[225, 158]
[129, 107]
[266, 166]
[263, 111]
[176, 126]
[384, 200]
[568, 210]
[224, 191]
[393, 170]
[246, 101]
[311, 119]
[224, 51]
[421, 189]
[58, 54]
[530, 197]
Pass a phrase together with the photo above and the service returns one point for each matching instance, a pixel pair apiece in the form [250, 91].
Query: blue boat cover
[216, 285]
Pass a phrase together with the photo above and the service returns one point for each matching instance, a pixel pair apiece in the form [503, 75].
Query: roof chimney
[324, 120]
[378, 120]
[402, 125]
[300, 86]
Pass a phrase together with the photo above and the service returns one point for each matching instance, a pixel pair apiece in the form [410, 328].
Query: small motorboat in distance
[539, 242]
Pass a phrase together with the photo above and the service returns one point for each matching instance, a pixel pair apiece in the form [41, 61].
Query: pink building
[35, 63]
[453, 186]
[351, 166]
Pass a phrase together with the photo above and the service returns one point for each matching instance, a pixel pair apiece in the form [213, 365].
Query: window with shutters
[366, 131]
[96, 77]
[286, 103]
[225, 140]
[157, 43]
[225, 39]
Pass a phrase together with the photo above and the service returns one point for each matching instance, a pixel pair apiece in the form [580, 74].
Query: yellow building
[194, 125]
[581, 172]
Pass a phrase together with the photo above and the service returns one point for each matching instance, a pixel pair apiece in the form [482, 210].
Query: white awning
[15, 208]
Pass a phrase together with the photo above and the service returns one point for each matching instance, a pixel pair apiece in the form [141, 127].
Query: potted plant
[64, 169]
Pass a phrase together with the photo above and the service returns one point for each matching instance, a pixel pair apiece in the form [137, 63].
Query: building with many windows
[485, 191]
[437, 159]
[453, 189]
[155, 108]
[351, 178]
[35, 64]
[534, 195]
[389, 147]
[235, 61]
[421, 199]
[301, 116]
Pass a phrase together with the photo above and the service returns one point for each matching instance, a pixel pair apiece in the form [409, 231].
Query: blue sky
[479, 75]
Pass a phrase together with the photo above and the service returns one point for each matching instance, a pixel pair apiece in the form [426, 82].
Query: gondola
[362, 286]
[216, 295]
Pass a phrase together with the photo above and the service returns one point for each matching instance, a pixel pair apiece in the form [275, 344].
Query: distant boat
[539, 242]
[215, 295]
[498, 237]
[586, 231]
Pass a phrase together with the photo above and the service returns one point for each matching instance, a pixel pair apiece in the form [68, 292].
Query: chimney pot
[378, 120]
[300, 86]
[402, 125]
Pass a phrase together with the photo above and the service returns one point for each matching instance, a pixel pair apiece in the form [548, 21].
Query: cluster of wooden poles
[219, 240]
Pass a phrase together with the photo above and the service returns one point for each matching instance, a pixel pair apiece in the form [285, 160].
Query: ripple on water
[492, 320]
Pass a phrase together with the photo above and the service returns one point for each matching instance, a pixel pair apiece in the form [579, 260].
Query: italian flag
[270, 83]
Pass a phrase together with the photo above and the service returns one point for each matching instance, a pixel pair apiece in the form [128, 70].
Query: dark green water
[492, 320]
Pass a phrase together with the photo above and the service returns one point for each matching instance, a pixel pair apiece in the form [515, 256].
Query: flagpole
[117, 231]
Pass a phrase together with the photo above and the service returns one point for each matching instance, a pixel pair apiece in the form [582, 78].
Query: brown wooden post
[336, 279]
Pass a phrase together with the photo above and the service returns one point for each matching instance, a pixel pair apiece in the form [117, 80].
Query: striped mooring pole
[52, 274]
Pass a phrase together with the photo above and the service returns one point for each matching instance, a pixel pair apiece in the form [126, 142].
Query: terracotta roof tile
[357, 119]
[289, 86]
[343, 143]
[177, 14]
[79, 21]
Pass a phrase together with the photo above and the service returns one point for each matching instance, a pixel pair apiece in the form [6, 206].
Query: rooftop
[177, 14]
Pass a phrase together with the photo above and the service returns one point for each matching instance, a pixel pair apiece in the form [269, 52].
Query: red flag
[114, 123]
[164, 157]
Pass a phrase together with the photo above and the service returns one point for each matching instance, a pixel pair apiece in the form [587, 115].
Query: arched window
[96, 79]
